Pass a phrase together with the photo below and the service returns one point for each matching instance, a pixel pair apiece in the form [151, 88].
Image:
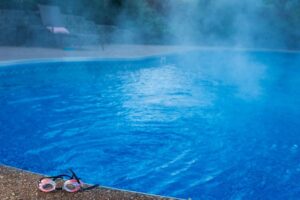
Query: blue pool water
[205, 125]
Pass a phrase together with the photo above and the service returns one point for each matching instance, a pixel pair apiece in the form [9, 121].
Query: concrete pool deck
[16, 184]
[110, 51]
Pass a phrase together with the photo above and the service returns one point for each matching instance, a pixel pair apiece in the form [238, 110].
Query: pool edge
[17, 183]
[69, 58]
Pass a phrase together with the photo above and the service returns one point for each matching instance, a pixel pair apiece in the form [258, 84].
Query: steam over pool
[211, 125]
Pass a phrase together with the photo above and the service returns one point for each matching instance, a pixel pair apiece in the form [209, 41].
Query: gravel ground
[16, 184]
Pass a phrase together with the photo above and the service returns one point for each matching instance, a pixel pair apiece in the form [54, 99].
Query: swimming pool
[208, 124]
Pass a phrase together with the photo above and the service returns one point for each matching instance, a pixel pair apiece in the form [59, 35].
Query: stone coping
[108, 51]
[111, 51]
[17, 184]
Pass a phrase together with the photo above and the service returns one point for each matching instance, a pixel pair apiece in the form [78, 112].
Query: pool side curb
[79, 59]
[20, 184]
[39, 55]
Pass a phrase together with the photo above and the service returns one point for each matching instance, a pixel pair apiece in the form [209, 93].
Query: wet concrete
[109, 51]
[16, 184]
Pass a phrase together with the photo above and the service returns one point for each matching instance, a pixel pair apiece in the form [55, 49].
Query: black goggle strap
[69, 177]
[78, 180]
[91, 187]
[75, 176]
[56, 177]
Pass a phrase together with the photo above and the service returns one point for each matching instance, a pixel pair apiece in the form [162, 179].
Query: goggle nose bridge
[51, 181]
[72, 180]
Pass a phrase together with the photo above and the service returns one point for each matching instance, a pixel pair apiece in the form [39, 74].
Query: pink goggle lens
[47, 185]
[72, 185]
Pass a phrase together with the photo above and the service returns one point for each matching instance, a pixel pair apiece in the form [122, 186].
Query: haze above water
[233, 23]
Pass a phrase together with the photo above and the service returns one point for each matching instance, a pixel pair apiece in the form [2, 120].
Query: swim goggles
[73, 184]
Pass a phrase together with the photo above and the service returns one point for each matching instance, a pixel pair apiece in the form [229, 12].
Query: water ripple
[210, 126]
